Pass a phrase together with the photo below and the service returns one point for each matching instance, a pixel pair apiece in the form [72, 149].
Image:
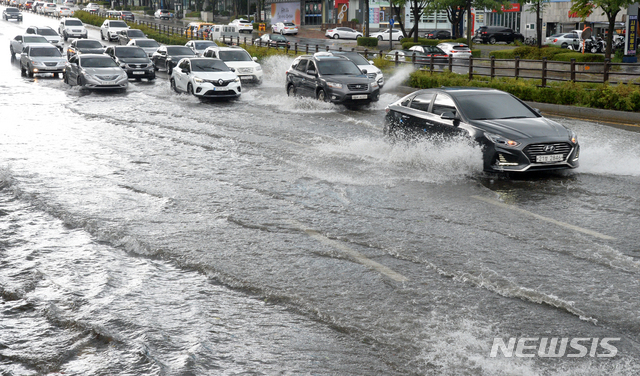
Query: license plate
[549, 158]
[215, 88]
[245, 78]
[138, 72]
[361, 96]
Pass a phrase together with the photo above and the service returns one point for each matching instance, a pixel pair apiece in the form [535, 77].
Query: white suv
[72, 28]
[246, 67]
[243, 25]
[111, 28]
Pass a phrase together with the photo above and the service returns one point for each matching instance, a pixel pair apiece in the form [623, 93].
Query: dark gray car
[168, 56]
[133, 60]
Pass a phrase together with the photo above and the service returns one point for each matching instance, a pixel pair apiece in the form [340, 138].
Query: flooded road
[148, 232]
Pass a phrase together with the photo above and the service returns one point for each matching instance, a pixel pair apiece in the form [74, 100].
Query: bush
[367, 42]
[355, 20]
[476, 53]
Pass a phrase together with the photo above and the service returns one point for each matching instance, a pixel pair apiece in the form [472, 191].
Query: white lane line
[355, 255]
[550, 220]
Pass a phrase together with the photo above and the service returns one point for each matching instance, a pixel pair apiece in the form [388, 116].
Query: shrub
[355, 20]
[476, 53]
[367, 42]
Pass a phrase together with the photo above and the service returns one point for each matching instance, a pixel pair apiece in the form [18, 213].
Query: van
[224, 32]
[197, 30]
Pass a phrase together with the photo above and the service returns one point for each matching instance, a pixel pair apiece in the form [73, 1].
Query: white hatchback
[456, 50]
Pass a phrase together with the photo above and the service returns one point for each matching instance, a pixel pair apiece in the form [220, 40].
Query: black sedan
[12, 13]
[437, 34]
[168, 56]
[513, 136]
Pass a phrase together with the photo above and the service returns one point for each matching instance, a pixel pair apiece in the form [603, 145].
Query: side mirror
[370, 62]
[232, 69]
[311, 72]
[364, 71]
[537, 110]
[448, 116]
[255, 59]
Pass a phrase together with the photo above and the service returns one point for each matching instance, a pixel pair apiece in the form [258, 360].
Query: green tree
[456, 10]
[537, 7]
[417, 8]
[610, 8]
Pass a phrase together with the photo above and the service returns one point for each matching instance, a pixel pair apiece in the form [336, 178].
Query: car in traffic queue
[396, 34]
[513, 136]
[455, 50]
[28, 5]
[284, 28]
[440, 57]
[41, 59]
[127, 15]
[199, 46]
[243, 25]
[333, 79]
[494, 34]
[49, 33]
[85, 46]
[133, 60]
[19, 42]
[63, 11]
[72, 28]
[92, 8]
[342, 33]
[49, 9]
[205, 78]
[124, 36]
[12, 13]
[437, 34]
[148, 45]
[168, 56]
[246, 67]
[111, 28]
[273, 40]
[373, 72]
[94, 71]
[163, 14]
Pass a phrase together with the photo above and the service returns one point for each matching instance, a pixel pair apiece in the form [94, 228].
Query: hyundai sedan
[38, 59]
[93, 71]
[514, 137]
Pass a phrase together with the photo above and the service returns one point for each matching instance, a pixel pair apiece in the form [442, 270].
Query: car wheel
[23, 71]
[291, 90]
[169, 68]
[65, 78]
[79, 81]
[66, 37]
[492, 40]
[322, 95]
[155, 66]
[190, 89]
[564, 45]
[336, 36]
[379, 37]
[30, 73]
[13, 54]
[173, 85]
[101, 35]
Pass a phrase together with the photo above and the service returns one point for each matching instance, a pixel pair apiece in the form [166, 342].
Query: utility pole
[365, 32]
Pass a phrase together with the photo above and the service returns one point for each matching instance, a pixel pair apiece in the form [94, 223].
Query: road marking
[543, 218]
[355, 255]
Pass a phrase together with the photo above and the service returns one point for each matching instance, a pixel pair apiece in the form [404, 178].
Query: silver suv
[72, 28]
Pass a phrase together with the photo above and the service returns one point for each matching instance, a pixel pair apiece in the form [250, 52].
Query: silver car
[148, 45]
[94, 71]
[561, 40]
[38, 59]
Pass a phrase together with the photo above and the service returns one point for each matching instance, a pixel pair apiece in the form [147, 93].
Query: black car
[168, 56]
[494, 34]
[437, 34]
[133, 60]
[513, 136]
[273, 40]
[127, 15]
[11, 13]
[84, 46]
[124, 36]
[331, 78]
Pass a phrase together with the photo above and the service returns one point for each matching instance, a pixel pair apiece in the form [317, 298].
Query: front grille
[358, 87]
[245, 70]
[219, 82]
[552, 148]
[212, 93]
[138, 66]
[51, 64]
[108, 78]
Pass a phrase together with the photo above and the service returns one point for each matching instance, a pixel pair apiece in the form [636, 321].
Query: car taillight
[555, 40]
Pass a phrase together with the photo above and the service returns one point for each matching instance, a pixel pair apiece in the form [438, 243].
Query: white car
[396, 34]
[456, 50]
[205, 78]
[365, 65]
[342, 33]
[72, 28]
[49, 9]
[243, 25]
[47, 32]
[110, 29]
[92, 8]
[148, 45]
[285, 28]
[18, 43]
[163, 14]
[247, 67]
[198, 46]
[64, 11]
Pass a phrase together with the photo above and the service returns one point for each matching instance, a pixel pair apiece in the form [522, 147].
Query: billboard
[281, 12]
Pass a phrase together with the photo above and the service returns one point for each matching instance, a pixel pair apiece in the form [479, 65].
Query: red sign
[515, 7]
[339, 2]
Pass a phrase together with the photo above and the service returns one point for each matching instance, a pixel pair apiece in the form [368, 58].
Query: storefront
[313, 13]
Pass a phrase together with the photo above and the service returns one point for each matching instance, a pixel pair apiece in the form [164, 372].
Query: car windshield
[73, 23]
[203, 45]
[289, 24]
[47, 32]
[278, 38]
[136, 33]
[12, 10]
[208, 65]
[130, 52]
[147, 43]
[45, 52]
[126, 13]
[338, 67]
[118, 24]
[180, 51]
[493, 106]
[98, 62]
[88, 44]
[35, 39]
[234, 56]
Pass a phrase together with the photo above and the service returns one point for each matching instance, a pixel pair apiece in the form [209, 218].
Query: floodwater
[150, 233]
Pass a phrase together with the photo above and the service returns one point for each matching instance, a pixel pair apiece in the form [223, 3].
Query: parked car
[561, 40]
[198, 46]
[69, 3]
[396, 34]
[95, 72]
[133, 60]
[285, 28]
[437, 34]
[243, 25]
[39, 59]
[127, 15]
[494, 34]
[148, 45]
[246, 67]
[422, 56]
[456, 50]
[124, 36]
[514, 137]
[163, 14]
[205, 78]
[63, 11]
[72, 28]
[92, 8]
[11, 13]
[331, 78]
[373, 72]
[18, 43]
[273, 40]
[51, 35]
[342, 33]
[168, 56]
[85, 46]
[110, 29]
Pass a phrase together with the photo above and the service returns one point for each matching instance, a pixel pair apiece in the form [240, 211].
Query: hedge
[551, 53]
[367, 42]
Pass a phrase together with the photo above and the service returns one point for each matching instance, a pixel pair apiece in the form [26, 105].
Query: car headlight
[334, 85]
[573, 137]
[502, 141]
[36, 62]
[198, 80]
[258, 68]
[374, 85]
[237, 79]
